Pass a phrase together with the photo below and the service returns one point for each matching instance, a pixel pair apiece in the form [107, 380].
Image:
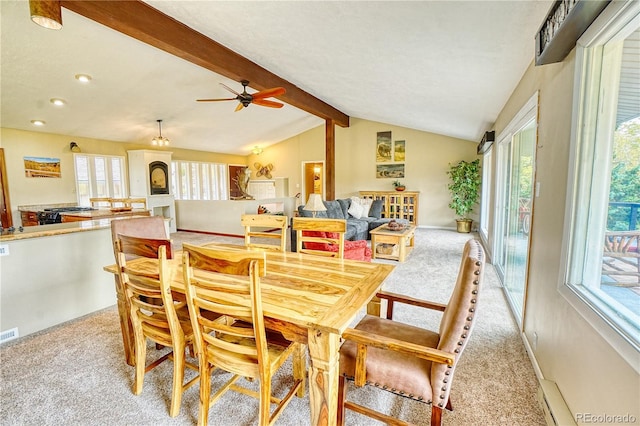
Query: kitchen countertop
[101, 213]
[56, 229]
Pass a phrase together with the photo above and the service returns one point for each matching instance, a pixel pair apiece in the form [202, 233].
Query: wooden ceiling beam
[144, 23]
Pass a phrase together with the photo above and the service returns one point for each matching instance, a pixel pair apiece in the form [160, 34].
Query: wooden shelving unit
[396, 204]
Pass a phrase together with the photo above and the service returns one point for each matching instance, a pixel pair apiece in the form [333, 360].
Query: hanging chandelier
[160, 140]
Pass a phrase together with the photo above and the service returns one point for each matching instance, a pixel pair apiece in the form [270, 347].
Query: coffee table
[394, 245]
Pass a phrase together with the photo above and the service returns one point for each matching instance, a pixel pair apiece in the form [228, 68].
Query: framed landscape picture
[398, 150]
[383, 147]
[42, 167]
[394, 171]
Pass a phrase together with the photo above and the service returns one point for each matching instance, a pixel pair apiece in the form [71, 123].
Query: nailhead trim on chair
[464, 335]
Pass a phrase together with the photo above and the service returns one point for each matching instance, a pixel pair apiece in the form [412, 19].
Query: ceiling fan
[258, 98]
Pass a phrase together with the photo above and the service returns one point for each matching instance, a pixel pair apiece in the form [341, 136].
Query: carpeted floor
[75, 374]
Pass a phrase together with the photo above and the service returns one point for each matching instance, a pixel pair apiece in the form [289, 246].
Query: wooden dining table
[309, 299]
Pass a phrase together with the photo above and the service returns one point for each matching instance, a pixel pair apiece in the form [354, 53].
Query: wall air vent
[8, 335]
[556, 412]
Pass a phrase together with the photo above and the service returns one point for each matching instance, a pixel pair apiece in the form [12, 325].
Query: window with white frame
[99, 176]
[603, 269]
[487, 165]
[193, 180]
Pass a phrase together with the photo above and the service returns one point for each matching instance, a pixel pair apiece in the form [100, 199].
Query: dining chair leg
[436, 415]
[140, 356]
[205, 392]
[178, 378]
[342, 397]
[300, 368]
[265, 401]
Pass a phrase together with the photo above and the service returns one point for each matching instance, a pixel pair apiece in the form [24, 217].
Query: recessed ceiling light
[83, 78]
[58, 101]
[38, 122]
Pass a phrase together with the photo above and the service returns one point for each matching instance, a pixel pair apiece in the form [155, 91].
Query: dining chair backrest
[136, 203]
[258, 227]
[143, 247]
[313, 234]
[144, 227]
[225, 285]
[236, 279]
[97, 202]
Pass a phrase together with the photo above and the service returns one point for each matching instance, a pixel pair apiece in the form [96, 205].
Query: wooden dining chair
[165, 322]
[258, 227]
[410, 361]
[320, 236]
[136, 203]
[621, 257]
[225, 284]
[100, 202]
[144, 227]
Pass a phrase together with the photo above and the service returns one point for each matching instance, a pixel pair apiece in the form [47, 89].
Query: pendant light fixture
[160, 140]
[46, 13]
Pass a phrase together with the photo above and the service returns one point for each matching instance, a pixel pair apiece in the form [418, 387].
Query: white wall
[49, 280]
[223, 217]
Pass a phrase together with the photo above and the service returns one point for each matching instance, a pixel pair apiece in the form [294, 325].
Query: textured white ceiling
[446, 67]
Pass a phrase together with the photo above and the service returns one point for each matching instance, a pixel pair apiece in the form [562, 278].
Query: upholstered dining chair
[225, 284]
[258, 227]
[411, 361]
[166, 323]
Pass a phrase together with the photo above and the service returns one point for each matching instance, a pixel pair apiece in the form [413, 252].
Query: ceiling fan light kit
[160, 140]
[245, 99]
[46, 13]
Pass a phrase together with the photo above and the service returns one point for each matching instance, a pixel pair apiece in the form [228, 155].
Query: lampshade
[160, 140]
[46, 13]
[315, 204]
[257, 150]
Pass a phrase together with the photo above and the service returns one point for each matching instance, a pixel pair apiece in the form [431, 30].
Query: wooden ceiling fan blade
[229, 89]
[215, 100]
[267, 103]
[268, 93]
[239, 107]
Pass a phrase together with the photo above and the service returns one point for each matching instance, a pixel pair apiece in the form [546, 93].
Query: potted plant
[464, 187]
[399, 185]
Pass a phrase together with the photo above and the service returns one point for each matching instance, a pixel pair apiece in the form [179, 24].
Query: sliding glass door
[516, 186]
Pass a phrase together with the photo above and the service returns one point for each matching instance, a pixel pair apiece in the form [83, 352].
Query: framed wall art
[383, 147]
[42, 167]
[398, 150]
[393, 171]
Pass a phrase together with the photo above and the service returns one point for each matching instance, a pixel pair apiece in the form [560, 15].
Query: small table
[394, 245]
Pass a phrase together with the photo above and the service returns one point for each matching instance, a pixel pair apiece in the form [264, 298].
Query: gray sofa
[357, 229]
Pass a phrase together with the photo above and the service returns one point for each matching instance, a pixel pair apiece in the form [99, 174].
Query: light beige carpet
[75, 374]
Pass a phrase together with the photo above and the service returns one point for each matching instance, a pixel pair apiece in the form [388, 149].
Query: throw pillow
[356, 210]
[376, 209]
[366, 206]
[365, 203]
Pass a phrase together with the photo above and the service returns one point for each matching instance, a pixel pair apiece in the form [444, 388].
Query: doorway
[516, 162]
[5, 205]
[313, 178]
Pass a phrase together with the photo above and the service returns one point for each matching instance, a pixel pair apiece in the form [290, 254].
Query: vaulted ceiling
[446, 67]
